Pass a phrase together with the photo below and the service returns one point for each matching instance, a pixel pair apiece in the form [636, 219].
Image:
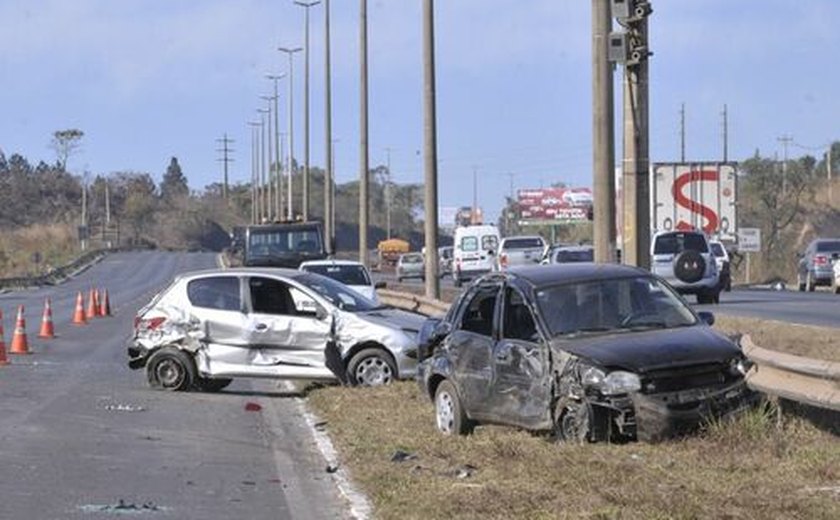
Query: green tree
[174, 183]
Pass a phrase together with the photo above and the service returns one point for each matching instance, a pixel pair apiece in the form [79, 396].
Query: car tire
[809, 283]
[834, 286]
[171, 369]
[689, 266]
[457, 282]
[450, 417]
[572, 421]
[371, 366]
[206, 384]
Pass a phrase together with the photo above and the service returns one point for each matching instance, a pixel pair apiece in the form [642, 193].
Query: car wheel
[449, 413]
[572, 421]
[809, 283]
[170, 369]
[800, 283]
[835, 286]
[703, 299]
[371, 367]
[456, 282]
[205, 384]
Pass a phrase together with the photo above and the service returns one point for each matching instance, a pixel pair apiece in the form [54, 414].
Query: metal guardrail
[58, 274]
[804, 380]
[413, 302]
[809, 381]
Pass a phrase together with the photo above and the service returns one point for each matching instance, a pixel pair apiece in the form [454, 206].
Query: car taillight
[151, 324]
[820, 260]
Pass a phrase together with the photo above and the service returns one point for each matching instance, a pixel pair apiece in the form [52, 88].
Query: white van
[475, 253]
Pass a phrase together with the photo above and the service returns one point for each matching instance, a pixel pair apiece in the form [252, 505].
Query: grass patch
[55, 243]
[756, 467]
[801, 340]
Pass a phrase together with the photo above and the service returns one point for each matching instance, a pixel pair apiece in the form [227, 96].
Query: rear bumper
[137, 355]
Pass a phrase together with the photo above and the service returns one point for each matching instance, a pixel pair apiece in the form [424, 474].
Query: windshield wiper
[646, 325]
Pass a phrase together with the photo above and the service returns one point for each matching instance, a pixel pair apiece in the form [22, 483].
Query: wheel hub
[373, 371]
[445, 413]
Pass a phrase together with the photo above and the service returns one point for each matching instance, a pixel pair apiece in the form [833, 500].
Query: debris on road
[124, 408]
[252, 407]
[123, 507]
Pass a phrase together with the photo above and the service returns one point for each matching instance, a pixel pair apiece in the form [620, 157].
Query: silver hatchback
[211, 326]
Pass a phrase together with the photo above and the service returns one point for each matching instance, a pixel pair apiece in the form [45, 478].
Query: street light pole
[290, 166]
[603, 139]
[388, 194]
[328, 168]
[254, 173]
[269, 184]
[306, 6]
[364, 174]
[278, 149]
[263, 205]
[430, 150]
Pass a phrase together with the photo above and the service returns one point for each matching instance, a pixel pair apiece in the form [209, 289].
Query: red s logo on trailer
[711, 219]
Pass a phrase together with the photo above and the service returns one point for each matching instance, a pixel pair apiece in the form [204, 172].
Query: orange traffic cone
[3, 360]
[105, 305]
[96, 306]
[91, 308]
[79, 314]
[47, 329]
[19, 343]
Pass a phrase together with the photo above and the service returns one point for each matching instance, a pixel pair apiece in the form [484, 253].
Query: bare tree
[66, 143]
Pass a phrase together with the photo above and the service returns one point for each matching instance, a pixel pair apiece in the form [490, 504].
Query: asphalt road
[82, 436]
[821, 307]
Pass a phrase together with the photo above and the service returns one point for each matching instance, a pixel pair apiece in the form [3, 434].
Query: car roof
[331, 261]
[553, 274]
[581, 247]
[523, 236]
[240, 271]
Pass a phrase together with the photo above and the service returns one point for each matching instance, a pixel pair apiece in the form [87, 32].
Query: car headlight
[740, 366]
[613, 383]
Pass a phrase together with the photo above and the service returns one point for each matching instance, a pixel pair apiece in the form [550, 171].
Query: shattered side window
[478, 316]
[220, 292]
[518, 320]
[270, 296]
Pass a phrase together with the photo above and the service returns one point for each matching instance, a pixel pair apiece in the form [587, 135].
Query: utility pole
[306, 6]
[263, 200]
[828, 175]
[364, 174]
[636, 163]
[332, 187]
[510, 205]
[328, 162]
[603, 139]
[255, 161]
[278, 149]
[388, 193]
[430, 150]
[474, 216]
[682, 133]
[269, 205]
[785, 140]
[225, 159]
[84, 227]
[291, 165]
[725, 134]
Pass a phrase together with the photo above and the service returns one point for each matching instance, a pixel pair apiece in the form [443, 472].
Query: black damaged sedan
[589, 351]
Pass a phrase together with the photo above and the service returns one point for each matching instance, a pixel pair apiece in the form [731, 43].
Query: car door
[286, 334]
[521, 390]
[471, 347]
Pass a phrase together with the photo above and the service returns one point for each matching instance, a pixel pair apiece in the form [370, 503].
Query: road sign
[749, 240]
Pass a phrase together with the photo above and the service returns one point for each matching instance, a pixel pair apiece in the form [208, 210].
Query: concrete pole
[278, 149]
[603, 140]
[828, 175]
[430, 150]
[364, 173]
[636, 164]
[329, 230]
[290, 166]
[388, 194]
[255, 173]
[263, 173]
[269, 203]
[306, 6]
[725, 134]
[682, 133]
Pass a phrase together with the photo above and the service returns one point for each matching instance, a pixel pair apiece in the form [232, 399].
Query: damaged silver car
[211, 326]
[590, 352]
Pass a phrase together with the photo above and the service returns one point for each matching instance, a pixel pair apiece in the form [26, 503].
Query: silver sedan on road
[210, 326]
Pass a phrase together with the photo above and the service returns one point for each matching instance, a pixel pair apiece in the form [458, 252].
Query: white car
[352, 274]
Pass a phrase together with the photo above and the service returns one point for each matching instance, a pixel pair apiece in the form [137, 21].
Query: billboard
[554, 205]
[695, 196]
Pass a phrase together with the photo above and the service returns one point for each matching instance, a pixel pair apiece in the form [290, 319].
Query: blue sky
[149, 79]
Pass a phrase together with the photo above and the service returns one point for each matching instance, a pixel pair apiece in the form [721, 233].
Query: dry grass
[56, 243]
[801, 340]
[752, 468]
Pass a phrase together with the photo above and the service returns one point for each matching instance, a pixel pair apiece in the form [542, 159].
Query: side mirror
[380, 285]
[321, 314]
[707, 317]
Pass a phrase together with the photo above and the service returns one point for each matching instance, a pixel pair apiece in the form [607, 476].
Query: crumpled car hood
[393, 317]
[652, 349]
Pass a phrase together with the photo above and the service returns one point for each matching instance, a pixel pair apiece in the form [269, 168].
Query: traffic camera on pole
[629, 47]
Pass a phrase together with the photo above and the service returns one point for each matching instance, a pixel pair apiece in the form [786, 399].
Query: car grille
[686, 378]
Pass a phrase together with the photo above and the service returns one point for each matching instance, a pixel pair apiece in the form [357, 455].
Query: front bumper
[661, 416]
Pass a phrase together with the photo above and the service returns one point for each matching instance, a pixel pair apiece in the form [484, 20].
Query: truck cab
[284, 244]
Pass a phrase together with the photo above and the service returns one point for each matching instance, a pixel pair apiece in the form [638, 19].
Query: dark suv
[287, 244]
[588, 351]
[815, 264]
